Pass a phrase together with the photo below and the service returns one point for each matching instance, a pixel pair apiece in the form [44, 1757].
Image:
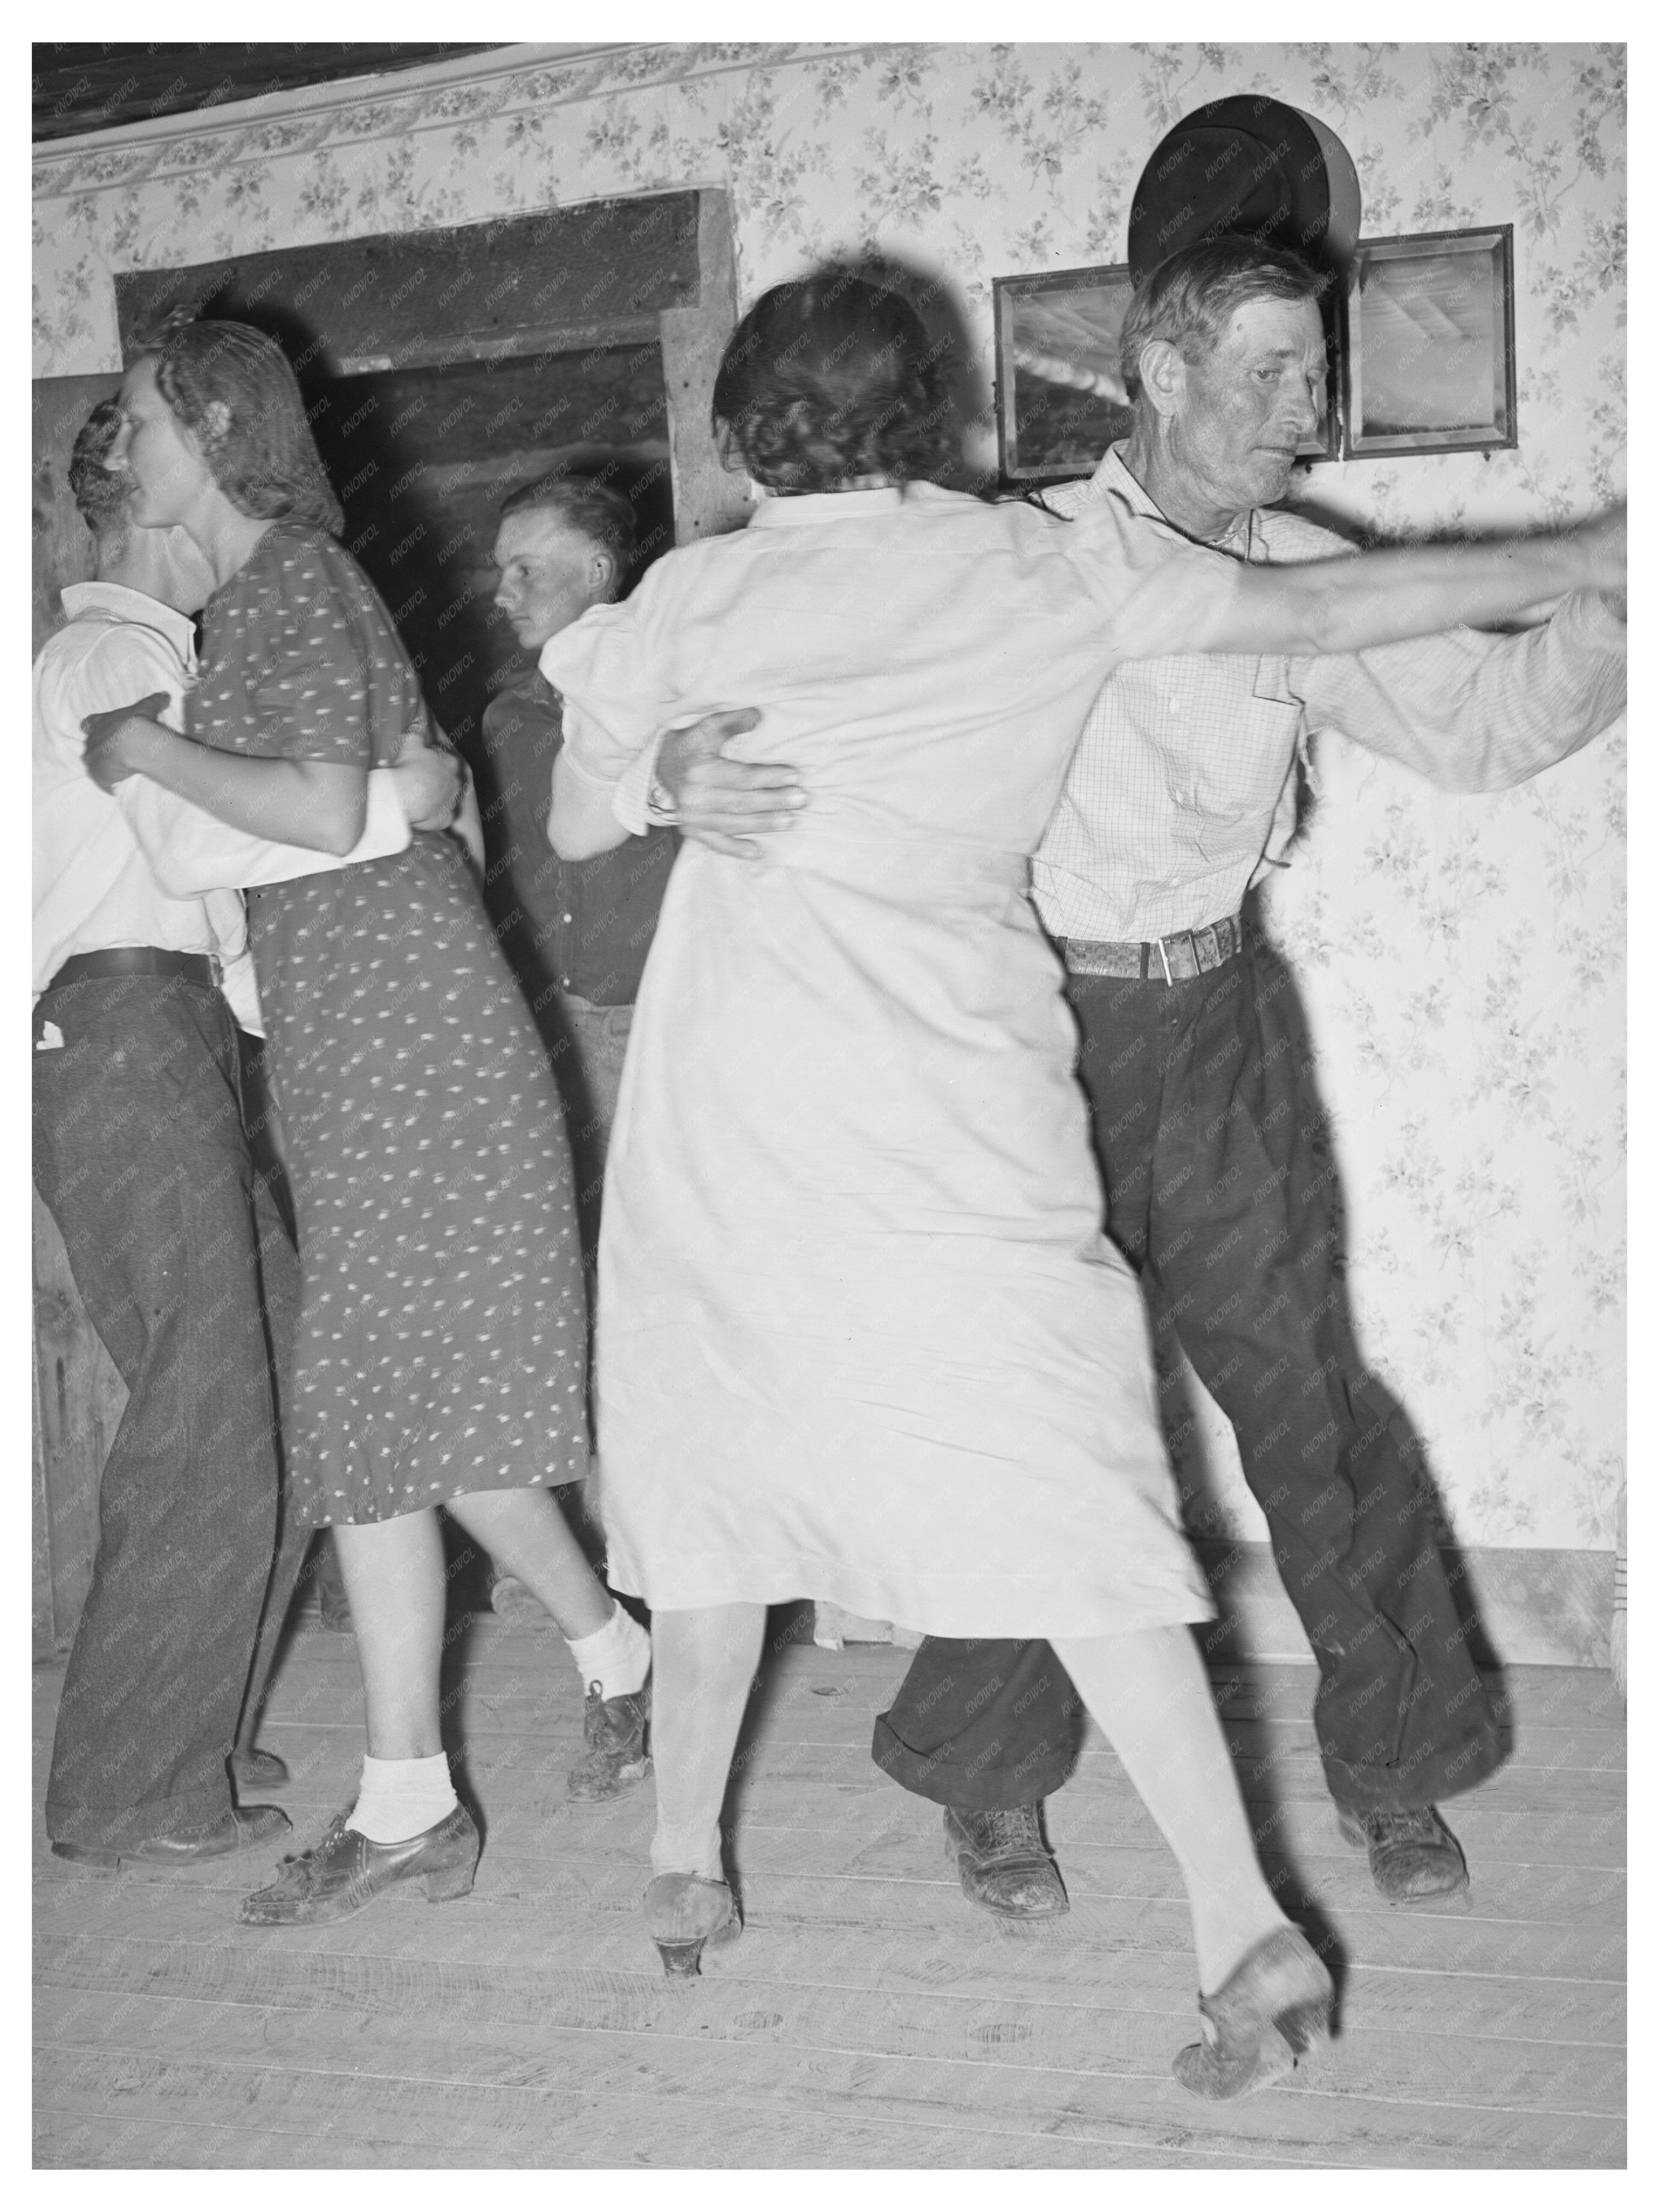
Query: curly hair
[831, 378]
[232, 388]
[102, 494]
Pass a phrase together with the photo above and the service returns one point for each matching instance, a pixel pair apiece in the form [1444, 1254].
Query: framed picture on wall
[1432, 342]
[1061, 395]
[1060, 400]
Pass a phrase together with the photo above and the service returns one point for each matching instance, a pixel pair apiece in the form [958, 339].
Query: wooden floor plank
[1508, 2028]
[869, 2017]
[556, 1905]
[478, 2089]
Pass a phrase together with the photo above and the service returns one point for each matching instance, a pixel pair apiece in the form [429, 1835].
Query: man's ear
[603, 572]
[1163, 375]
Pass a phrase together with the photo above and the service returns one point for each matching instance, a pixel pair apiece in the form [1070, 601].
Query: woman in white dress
[860, 1336]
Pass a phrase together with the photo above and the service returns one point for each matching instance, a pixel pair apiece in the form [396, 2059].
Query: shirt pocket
[1245, 731]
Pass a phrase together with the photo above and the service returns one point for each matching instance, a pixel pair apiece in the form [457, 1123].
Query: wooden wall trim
[561, 279]
[708, 498]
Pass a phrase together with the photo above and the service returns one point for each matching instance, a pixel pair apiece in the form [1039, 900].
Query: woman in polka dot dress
[442, 1354]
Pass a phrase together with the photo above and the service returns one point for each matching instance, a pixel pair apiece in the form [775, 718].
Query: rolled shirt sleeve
[610, 670]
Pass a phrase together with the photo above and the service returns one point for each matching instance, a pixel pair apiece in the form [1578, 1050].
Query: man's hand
[721, 803]
[113, 739]
[429, 782]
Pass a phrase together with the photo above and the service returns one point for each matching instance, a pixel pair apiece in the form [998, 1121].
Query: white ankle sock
[617, 1656]
[400, 1797]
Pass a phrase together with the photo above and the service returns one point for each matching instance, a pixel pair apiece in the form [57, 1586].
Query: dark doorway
[444, 369]
[422, 459]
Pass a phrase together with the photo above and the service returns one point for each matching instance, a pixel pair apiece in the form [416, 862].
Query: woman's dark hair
[833, 377]
[232, 388]
[596, 511]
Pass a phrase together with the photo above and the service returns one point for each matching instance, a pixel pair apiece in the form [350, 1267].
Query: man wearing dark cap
[1219, 1178]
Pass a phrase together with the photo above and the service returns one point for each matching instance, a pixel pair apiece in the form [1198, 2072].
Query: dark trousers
[1221, 1188]
[141, 1156]
[279, 1296]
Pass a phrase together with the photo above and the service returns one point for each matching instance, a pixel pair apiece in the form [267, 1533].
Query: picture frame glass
[1431, 350]
[1061, 400]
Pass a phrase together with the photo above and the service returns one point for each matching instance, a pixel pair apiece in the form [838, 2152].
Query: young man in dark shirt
[577, 931]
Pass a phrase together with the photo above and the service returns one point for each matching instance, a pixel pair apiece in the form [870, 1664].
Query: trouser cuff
[992, 1788]
[124, 1827]
[1430, 1779]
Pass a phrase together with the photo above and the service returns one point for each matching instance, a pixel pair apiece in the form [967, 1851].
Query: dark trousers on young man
[1220, 1186]
[141, 1156]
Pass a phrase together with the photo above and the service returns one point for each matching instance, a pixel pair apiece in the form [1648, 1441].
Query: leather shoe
[1273, 2008]
[1004, 1863]
[236, 1828]
[345, 1871]
[614, 1757]
[253, 1768]
[683, 1912]
[1412, 1854]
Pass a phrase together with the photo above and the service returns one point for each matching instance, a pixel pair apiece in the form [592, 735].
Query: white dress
[860, 1335]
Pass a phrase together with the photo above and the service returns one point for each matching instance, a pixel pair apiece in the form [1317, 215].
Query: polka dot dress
[441, 1344]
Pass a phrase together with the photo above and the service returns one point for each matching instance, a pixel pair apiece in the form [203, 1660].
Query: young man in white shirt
[140, 1155]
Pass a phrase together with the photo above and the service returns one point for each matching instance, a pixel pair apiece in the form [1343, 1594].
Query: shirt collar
[1113, 475]
[826, 506]
[120, 599]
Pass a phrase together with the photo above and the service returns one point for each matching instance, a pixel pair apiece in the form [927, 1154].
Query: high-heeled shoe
[683, 1911]
[345, 1871]
[1274, 2008]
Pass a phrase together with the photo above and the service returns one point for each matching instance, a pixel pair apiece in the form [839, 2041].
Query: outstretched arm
[1378, 599]
[1472, 711]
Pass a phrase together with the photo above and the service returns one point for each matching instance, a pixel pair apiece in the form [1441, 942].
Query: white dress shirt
[94, 888]
[1182, 794]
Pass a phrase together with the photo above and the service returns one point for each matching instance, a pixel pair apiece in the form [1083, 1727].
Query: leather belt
[137, 960]
[1174, 959]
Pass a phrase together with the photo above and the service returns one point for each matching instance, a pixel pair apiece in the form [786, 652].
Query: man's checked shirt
[1182, 791]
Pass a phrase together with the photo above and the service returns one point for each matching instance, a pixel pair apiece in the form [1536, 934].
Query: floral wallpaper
[1461, 958]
